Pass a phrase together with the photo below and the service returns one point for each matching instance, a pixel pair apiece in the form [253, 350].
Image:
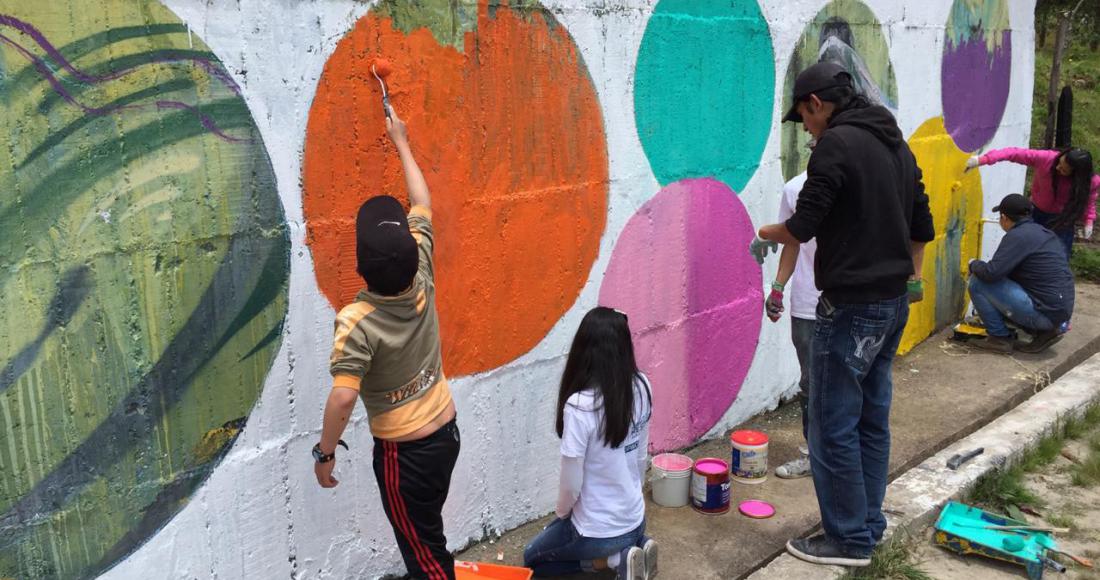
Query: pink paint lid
[751, 438]
[755, 508]
[711, 466]
[673, 462]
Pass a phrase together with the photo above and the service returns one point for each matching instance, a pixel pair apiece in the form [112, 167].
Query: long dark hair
[602, 358]
[1080, 186]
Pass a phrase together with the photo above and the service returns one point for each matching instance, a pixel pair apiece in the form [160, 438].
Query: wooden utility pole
[1060, 42]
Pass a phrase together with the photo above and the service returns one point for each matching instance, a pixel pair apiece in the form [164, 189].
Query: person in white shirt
[604, 407]
[796, 265]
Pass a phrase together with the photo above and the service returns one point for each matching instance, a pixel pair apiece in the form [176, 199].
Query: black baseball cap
[818, 77]
[385, 251]
[1014, 206]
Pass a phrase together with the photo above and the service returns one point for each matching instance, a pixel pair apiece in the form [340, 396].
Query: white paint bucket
[671, 479]
[750, 456]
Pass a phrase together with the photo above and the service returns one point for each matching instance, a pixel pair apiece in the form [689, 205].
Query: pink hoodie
[1042, 160]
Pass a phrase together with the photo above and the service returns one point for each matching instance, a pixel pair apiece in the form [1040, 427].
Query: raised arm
[419, 195]
[1029, 157]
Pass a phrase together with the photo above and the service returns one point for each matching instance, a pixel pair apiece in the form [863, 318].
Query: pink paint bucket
[670, 479]
[710, 486]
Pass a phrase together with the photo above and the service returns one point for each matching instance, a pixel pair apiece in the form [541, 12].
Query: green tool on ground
[967, 530]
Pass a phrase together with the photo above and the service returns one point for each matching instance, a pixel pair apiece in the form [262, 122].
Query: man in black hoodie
[865, 203]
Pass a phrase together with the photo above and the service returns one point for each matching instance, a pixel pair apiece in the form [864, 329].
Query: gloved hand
[915, 288]
[773, 304]
[760, 247]
[973, 162]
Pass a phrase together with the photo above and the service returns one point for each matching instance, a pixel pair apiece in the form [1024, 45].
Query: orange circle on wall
[509, 134]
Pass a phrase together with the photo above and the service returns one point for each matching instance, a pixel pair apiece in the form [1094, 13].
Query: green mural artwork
[847, 32]
[144, 259]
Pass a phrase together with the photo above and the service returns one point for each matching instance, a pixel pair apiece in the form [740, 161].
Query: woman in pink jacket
[1063, 190]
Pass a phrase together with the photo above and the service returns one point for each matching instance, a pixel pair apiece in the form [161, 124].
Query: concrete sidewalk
[942, 392]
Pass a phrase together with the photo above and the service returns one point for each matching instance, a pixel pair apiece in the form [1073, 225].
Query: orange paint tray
[483, 571]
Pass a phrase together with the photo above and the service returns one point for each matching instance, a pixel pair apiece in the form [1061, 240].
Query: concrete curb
[921, 492]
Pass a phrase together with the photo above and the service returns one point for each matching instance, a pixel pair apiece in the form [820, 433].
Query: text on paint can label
[707, 496]
[749, 464]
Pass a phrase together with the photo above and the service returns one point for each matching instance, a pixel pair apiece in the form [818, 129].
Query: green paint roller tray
[966, 530]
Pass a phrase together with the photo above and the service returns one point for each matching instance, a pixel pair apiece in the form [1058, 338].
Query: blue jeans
[559, 549]
[802, 335]
[1002, 299]
[850, 393]
[1065, 235]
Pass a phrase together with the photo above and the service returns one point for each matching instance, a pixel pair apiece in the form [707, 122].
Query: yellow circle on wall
[955, 198]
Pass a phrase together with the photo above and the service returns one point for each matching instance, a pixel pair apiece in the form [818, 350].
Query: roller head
[381, 67]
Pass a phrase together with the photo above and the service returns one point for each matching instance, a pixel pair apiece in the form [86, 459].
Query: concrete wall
[178, 186]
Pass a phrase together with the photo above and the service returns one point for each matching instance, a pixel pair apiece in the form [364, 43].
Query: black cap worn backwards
[816, 78]
[385, 251]
[1014, 206]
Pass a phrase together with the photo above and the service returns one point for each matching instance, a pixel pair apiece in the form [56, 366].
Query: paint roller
[381, 69]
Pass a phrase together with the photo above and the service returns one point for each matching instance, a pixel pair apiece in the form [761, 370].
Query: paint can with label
[710, 486]
[749, 460]
[670, 479]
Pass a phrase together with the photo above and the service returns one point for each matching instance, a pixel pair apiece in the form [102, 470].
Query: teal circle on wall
[704, 90]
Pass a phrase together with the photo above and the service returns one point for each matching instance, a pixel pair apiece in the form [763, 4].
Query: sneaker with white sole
[794, 468]
[631, 564]
[822, 550]
[649, 551]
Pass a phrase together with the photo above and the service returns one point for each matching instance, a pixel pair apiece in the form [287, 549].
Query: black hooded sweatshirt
[864, 202]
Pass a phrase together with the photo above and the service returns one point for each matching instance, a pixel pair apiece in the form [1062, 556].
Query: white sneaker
[649, 550]
[794, 469]
[631, 564]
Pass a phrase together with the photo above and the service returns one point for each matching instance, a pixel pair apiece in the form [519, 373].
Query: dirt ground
[1066, 504]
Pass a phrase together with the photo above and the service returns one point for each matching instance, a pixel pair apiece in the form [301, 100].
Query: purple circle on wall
[682, 272]
[977, 68]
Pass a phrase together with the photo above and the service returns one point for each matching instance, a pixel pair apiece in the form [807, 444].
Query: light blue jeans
[1002, 299]
[560, 550]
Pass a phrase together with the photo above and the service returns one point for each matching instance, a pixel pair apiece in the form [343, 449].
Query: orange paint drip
[510, 138]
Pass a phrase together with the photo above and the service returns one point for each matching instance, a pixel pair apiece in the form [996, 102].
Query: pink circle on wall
[682, 272]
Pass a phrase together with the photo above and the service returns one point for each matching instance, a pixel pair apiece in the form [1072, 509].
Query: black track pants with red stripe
[414, 477]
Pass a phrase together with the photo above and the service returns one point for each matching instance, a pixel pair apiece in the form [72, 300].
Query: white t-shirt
[610, 502]
[802, 290]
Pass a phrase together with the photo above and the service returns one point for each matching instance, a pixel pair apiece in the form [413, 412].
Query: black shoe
[999, 344]
[1040, 342]
[821, 550]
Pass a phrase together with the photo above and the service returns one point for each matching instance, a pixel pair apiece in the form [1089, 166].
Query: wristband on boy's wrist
[322, 457]
[776, 285]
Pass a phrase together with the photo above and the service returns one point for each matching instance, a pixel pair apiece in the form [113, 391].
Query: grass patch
[1046, 451]
[1061, 521]
[892, 561]
[1076, 428]
[1092, 415]
[1085, 263]
[1001, 488]
[1087, 473]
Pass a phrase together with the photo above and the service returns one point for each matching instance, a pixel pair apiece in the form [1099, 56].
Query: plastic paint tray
[961, 529]
[483, 571]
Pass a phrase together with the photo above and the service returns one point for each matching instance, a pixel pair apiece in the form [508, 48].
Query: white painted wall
[261, 513]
